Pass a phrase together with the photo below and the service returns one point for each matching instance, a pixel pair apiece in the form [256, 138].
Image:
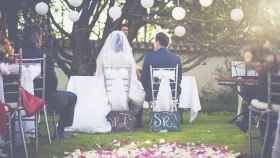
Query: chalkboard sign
[121, 121]
[164, 121]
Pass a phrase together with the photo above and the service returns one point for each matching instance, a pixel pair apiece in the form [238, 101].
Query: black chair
[262, 120]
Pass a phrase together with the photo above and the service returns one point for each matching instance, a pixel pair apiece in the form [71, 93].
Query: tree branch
[195, 64]
[58, 26]
[97, 14]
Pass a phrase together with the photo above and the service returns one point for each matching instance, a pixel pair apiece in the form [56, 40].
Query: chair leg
[265, 136]
[39, 118]
[54, 124]
[11, 146]
[22, 133]
[250, 134]
[47, 124]
[36, 132]
[181, 115]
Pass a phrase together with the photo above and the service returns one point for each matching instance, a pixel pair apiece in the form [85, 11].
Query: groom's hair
[163, 39]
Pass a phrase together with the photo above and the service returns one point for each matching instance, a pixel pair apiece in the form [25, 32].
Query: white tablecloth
[189, 98]
[86, 89]
[92, 105]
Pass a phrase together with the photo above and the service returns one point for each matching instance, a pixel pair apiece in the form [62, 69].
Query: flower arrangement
[7, 52]
[162, 149]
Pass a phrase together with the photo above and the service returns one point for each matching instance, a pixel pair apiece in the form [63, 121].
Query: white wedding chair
[158, 117]
[112, 72]
[157, 75]
[121, 120]
[12, 86]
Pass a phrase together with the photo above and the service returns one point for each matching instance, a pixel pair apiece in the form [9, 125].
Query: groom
[161, 57]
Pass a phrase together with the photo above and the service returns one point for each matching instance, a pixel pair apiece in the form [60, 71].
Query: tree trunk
[82, 60]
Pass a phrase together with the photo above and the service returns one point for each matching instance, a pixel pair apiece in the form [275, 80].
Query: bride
[116, 61]
[91, 117]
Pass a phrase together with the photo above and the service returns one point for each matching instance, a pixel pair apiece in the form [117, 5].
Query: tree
[210, 31]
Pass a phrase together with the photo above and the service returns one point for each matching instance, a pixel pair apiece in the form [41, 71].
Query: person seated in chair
[160, 58]
[270, 64]
[62, 102]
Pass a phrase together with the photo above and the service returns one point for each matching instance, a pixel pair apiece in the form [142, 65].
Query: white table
[92, 105]
[189, 98]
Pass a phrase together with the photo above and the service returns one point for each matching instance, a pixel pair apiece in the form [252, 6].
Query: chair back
[12, 82]
[273, 88]
[157, 75]
[113, 72]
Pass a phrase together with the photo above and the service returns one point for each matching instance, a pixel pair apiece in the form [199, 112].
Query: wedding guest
[160, 58]
[62, 102]
[7, 52]
[269, 64]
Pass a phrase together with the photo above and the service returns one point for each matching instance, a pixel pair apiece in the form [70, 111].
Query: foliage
[210, 31]
[215, 98]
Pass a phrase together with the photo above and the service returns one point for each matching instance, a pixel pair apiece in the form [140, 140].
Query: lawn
[207, 129]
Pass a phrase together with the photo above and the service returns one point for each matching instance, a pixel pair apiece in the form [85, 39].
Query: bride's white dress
[93, 105]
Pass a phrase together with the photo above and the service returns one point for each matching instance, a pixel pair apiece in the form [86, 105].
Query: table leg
[239, 102]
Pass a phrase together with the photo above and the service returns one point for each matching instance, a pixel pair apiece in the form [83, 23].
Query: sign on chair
[164, 121]
[121, 121]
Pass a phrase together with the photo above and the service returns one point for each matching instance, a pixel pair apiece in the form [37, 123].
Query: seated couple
[117, 52]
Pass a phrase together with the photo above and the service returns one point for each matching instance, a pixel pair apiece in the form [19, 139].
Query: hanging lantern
[180, 31]
[147, 3]
[205, 3]
[236, 14]
[178, 13]
[41, 8]
[75, 3]
[74, 16]
[115, 12]
[248, 56]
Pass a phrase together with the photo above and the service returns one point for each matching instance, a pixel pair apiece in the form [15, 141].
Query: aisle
[208, 129]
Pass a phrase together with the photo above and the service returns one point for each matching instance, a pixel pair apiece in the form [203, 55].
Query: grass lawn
[207, 129]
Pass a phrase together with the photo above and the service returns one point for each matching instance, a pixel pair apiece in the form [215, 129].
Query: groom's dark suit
[160, 59]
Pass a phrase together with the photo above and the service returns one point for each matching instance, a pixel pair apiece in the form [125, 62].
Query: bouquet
[7, 52]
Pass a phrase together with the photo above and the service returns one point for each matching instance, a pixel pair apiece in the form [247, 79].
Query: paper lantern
[180, 31]
[236, 14]
[248, 56]
[75, 3]
[41, 8]
[205, 3]
[115, 12]
[147, 3]
[74, 16]
[178, 13]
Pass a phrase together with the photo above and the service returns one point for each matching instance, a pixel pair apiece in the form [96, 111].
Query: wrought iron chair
[262, 118]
